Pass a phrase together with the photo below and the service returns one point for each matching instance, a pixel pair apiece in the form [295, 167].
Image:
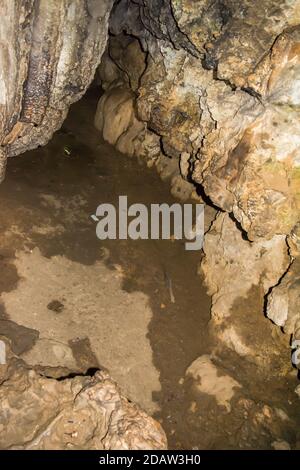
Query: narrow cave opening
[181, 332]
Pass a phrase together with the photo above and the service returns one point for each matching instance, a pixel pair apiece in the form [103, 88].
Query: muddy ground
[71, 300]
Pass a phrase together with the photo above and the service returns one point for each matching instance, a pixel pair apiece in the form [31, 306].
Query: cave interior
[135, 342]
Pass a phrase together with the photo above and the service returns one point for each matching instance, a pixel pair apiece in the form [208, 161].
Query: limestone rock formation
[220, 91]
[232, 264]
[208, 379]
[250, 163]
[283, 306]
[207, 92]
[242, 138]
[238, 272]
[83, 412]
[48, 57]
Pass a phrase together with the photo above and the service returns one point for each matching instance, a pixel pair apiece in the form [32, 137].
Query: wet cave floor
[70, 300]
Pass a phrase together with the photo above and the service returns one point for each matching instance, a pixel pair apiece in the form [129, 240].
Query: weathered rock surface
[238, 272]
[208, 380]
[283, 306]
[232, 264]
[49, 54]
[38, 412]
[217, 384]
[220, 90]
[206, 91]
[242, 138]
[243, 151]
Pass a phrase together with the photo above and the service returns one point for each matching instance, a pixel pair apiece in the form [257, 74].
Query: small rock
[281, 445]
[281, 414]
[67, 151]
[55, 306]
[2, 353]
[267, 412]
[210, 380]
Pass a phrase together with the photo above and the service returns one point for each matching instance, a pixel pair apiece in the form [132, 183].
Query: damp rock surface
[220, 83]
[216, 84]
[207, 93]
[82, 412]
[112, 307]
[50, 52]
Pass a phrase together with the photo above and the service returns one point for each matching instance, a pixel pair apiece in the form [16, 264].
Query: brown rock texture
[206, 91]
[228, 256]
[283, 306]
[220, 93]
[238, 118]
[48, 56]
[83, 412]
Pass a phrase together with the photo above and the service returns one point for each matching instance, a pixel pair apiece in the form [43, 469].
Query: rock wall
[208, 91]
[284, 300]
[48, 56]
[38, 412]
